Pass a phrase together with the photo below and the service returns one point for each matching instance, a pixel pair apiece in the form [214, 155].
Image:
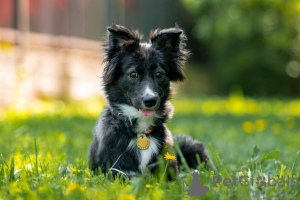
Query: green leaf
[271, 155]
[255, 153]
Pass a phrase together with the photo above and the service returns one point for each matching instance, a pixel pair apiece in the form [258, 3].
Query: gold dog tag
[143, 143]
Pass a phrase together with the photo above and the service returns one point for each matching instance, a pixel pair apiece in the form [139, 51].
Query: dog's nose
[150, 101]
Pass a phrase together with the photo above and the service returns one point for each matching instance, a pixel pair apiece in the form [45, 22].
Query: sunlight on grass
[90, 108]
[63, 132]
[238, 106]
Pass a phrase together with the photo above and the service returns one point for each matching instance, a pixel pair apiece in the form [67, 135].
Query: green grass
[44, 150]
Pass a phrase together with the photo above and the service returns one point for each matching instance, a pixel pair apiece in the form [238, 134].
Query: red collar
[146, 132]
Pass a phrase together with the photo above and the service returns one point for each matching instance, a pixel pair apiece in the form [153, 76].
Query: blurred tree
[251, 43]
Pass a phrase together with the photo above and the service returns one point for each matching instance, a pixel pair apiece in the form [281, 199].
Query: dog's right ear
[119, 39]
[117, 35]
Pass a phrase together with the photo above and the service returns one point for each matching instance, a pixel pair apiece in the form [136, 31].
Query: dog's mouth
[146, 112]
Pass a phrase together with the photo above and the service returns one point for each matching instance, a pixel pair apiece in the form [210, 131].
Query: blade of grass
[36, 158]
[215, 157]
[12, 169]
[294, 164]
[219, 162]
[183, 161]
[4, 161]
[200, 164]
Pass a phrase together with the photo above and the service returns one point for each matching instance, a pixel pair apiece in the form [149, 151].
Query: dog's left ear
[171, 43]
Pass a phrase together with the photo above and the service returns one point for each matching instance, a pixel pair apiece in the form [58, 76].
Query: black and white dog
[136, 81]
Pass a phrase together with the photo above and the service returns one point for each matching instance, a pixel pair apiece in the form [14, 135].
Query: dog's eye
[159, 75]
[133, 75]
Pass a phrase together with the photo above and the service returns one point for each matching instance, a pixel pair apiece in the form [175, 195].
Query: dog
[131, 132]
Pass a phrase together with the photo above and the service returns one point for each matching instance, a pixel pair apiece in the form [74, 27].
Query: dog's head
[139, 74]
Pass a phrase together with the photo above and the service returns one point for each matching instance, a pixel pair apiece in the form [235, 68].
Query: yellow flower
[127, 197]
[248, 127]
[260, 124]
[74, 186]
[148, 186]
[169, 156]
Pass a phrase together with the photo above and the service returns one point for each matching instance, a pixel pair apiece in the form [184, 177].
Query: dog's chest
[145, 155]
[144, 124]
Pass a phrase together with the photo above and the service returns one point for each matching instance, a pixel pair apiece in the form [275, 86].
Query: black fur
[136, 81]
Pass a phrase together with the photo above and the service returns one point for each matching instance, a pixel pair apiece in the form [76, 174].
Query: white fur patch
[149, 91]
[129, 111]
[146, 154]
[169, 137]
[99, 135]
[144, 122]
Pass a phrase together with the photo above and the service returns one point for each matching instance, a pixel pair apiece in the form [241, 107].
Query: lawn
[44, 150]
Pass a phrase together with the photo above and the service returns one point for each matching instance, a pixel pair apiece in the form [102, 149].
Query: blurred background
[241, 97]
[51, 49]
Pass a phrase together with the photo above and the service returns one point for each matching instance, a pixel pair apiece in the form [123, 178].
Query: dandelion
[248, 127]
[127, 197]
[148, 186]
[169, 156]
[74, 186]
[41, 189]
[260, 124]
[61, 137]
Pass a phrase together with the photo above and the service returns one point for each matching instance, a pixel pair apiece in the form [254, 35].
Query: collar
[146, 132]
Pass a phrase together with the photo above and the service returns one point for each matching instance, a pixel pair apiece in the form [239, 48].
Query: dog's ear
[169, 39]
[118, 35]
[119, 39]
[171, 43]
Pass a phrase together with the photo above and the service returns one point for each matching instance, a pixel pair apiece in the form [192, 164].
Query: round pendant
[143, 143]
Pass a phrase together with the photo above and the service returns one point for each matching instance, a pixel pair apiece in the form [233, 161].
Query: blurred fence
[87, 18]
[44, 50]
[51, 68]
[51, 48]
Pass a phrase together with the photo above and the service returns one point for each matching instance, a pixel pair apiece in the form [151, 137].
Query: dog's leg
[94, 160]
[190, 148]
[117, 161]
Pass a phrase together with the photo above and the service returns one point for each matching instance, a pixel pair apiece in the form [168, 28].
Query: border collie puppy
[131, 132]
